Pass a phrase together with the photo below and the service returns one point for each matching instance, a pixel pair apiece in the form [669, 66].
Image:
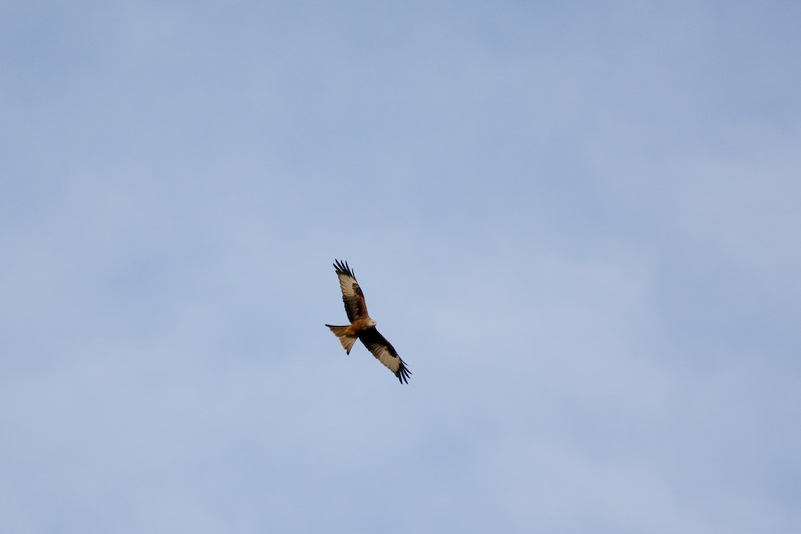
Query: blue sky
[578, 223]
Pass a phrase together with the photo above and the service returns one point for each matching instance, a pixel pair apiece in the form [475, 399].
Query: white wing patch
[346, 283]
[384, 356]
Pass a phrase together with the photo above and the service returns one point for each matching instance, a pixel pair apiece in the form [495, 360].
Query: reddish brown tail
[347, 341]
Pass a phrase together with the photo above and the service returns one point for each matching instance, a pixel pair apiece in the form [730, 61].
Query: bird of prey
[362, 326]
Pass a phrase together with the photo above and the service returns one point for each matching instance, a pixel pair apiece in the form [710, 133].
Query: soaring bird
[362, 326]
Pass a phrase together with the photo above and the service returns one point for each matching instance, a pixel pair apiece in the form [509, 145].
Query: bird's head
[371, 323]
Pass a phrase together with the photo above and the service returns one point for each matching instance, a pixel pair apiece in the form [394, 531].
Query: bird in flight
[362, 326]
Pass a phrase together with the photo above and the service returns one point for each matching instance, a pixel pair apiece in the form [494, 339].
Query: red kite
[362, 326]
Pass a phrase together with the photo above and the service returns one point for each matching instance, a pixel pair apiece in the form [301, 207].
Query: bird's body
[362, 326]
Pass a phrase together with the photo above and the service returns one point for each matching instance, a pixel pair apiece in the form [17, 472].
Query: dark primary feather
[343, 268]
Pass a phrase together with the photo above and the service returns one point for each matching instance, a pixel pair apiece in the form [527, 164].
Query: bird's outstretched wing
[352, 294]
[385, 353]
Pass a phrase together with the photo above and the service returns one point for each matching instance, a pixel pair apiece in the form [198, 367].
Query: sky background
[578, 223]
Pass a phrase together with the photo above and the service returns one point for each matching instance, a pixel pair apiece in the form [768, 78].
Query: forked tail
[347, 341]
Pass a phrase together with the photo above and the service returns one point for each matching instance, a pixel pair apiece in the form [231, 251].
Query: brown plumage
[362, 326]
